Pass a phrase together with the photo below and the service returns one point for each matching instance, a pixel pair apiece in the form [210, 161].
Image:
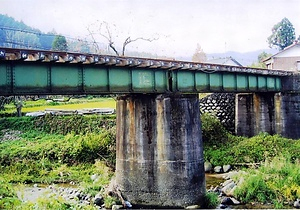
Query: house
[224, 61]
[287, 59]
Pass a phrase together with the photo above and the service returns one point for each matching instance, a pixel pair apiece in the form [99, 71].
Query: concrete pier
[288, 120]
[159, 150]
[255, 113]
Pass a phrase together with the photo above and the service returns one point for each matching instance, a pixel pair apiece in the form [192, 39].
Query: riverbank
[57, 149]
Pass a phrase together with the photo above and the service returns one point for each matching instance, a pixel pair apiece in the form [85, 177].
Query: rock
[226, 168]
[99, 201]
[222, 206]
[78, 195]
[94, 177]
[218, 169]
[231, 192]
[115, 207]
[228, 189]
[88, 197]
[297, 204]
[128, 204]
[227, 182]
[227, 201]
[216, 190]
[193, 207]
[207, 166]
[98, 195]
[235, 201]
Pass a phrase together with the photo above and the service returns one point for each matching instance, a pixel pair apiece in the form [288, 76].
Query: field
[67, 104]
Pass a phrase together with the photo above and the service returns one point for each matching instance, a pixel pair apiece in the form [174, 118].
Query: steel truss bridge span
[36, 72]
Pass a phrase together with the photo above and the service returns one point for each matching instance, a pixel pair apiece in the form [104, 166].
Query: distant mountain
[246, 59]
[17, 34]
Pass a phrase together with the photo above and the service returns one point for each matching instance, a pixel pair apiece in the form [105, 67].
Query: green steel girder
[27, 78]
[218, 81]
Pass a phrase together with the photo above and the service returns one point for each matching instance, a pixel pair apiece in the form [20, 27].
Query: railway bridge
[159, 144]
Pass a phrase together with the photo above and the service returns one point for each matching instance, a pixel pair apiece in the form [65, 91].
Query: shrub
[17, 123]
[77, 124]
[212, 129]
[8, 197]
[264, 146]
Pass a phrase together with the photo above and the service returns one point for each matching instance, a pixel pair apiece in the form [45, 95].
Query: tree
[46, 40]
[2, 37]
[60, 43]
[199, 55]
[105, 31]
[260, 64]
[79, 45]
[283, 34]
[17, 100]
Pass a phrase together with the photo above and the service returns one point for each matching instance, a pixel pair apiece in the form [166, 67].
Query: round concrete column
[159, 150]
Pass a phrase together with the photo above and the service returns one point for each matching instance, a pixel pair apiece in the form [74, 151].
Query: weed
[8, 197]
[276, 181]
[211, 200]
[109, 201]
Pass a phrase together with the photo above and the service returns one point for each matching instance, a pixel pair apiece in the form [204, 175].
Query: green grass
[221, 147]
[72, 104]
[40, 157]
[256, 149]
[211, 200]
[276, 181]
[72, 148]
[8, 196]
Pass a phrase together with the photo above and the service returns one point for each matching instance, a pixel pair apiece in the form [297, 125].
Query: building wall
[289, 64]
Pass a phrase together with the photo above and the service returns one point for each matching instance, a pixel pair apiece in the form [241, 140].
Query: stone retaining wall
[222, 105]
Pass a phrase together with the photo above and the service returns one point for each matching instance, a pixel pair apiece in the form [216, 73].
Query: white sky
[217, 25]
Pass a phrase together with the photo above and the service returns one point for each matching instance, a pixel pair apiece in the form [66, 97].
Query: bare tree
[105, 31]
[199, 55]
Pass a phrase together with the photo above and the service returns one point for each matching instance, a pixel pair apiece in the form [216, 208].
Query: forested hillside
[16, 34]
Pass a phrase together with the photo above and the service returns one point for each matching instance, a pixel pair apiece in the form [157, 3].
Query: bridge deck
[26, 72]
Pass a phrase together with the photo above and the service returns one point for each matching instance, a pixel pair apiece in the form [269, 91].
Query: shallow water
[213, 181]
[32, 192]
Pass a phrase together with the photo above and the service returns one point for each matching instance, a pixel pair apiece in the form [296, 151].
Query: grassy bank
[53, 149]
[276, 181]
[221, 147]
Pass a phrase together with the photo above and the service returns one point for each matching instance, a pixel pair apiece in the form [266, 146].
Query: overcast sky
[217, 25]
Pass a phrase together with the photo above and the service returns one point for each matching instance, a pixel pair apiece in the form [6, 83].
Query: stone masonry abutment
[159, 149]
